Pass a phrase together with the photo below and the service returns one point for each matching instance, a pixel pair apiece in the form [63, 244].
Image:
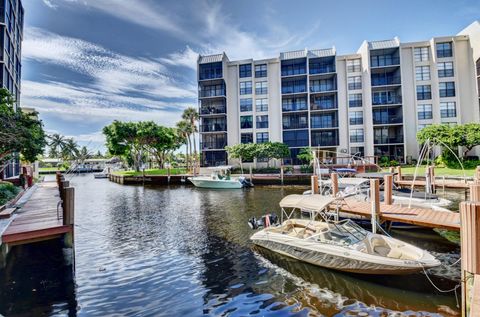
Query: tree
[70, 150]
[272, 150]
[19, 132]
[306, 155]
[83, 154]
[57, 144]
[122, 140]
[470, 134]
[164, 141]
[191, 116]
[183, 128]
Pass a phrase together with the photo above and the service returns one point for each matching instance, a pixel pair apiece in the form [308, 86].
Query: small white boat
[220, 179]
[339, 245]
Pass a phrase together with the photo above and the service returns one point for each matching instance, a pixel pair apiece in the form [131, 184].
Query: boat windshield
[344, 232]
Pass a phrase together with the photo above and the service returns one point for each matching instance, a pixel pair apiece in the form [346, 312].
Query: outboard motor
[264, 222]
[245, 182]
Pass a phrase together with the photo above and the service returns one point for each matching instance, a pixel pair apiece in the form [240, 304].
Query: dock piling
[375, 202]
[334, 178]
[388, 183]
[314, 184]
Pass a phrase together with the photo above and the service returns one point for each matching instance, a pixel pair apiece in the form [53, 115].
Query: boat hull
[215, 184]
[347, 260]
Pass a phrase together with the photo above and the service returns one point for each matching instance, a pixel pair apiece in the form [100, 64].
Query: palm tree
[57, 144]
[70, 150]
[83, 154]
[191, 116]
[183, 133]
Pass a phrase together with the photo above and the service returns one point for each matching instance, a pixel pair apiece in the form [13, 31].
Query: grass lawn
[173, 171]
[439, 171]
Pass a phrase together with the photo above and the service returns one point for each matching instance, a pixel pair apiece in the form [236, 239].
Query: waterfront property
[371, 102]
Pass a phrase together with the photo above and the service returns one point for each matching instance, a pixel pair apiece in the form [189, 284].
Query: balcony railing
[324, 125]
[387, 140]
[213, 110]
[384, 100]
[355, 103]
[216, 127]
[212, 93]
[321, 69]
[390, 120]
[386, 80]
[294, 89]
[214, 145]
[384, 60]
[322, 88]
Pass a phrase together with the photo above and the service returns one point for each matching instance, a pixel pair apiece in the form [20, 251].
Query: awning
[310, 202]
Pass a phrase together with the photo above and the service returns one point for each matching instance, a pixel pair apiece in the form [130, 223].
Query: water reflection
[184, 251]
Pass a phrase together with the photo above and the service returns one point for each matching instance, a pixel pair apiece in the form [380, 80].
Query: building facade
[372, 102]
[11, 36]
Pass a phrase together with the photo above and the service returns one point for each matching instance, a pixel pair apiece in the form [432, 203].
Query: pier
[47, 214]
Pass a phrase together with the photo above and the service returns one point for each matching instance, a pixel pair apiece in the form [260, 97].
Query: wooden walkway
[416, 216]
[439, 183]
[37, 219]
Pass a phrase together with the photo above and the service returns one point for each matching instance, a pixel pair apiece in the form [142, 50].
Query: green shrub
[7, 192]
[393, 163]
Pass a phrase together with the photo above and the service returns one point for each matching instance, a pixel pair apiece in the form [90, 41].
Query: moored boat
[340, 245]
[220, 179]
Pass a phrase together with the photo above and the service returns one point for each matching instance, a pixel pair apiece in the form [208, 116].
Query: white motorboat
[220, 179]
[102, 174]
[340, 245]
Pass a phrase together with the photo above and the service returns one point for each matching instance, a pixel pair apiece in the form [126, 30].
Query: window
[262, 137]
[356, 117]
[424, 112]
[261, 104]
[323, 102]
[324, 138]
[261, 71]
[421, 126]
[294, 86]
[422, 73]
[353, 65]
[212, 90]
[447, 89]
[445, 69]
[246, 138]
[356, 135]
[296, 138]
[424, 92]
[421, 54]
[210, 71]
[294, 67]
[295, 121]
[262, 122]
[354, 100]
[245, 104]
[246, 122]
[245, 70]
[388, 97]
[444, 49]
[355, 82]
[357, 150]
[294, 104]
[245, 88]
[261, 88]
[448, 110]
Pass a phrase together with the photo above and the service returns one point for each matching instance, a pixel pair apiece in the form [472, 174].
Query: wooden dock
[38, 220]
[396, 213]
[438, 183]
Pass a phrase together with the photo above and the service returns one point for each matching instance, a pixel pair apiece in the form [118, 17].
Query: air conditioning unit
[343, 150]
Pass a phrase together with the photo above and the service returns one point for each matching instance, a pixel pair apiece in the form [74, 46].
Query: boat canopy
[310, 202]
[378, 175]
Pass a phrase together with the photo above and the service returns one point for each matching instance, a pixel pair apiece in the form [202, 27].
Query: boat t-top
[340, 245]
[220, 178]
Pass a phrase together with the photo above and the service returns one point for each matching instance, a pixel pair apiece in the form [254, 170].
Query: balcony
[385, 80]
[294, 67]
[323, 102]
[212, 91]
[355, 103]
[211, 110]
[325, 87]
[210, 71]
[295, 121]
[388, 140]
[316, 69]
[384, 61]
[215, 127]
[214, 145]
[387, 120]
[324, 138]
[383, 99]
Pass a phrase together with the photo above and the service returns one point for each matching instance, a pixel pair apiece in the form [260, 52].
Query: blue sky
[88, 62]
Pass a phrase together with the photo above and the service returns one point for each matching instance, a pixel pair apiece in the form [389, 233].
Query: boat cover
[352, 181]
[310, 202]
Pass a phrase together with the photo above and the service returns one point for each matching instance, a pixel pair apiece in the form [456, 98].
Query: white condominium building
[372, 102]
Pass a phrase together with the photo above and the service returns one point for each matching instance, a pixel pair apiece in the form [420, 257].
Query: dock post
[475, 192]
[399, 173]
[68, 206]
[251, 176]
[375, 202]
[63, 185]
[391, 169]
[334, 178]
[477, 175]
[168, 174]
[281, 174]
[388, 184]
[314, 184]
[470, 249]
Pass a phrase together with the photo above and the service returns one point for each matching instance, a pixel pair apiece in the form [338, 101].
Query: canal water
[185, 251]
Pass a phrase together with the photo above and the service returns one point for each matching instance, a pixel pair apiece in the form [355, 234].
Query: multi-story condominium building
[372, 102]
[11, 33]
